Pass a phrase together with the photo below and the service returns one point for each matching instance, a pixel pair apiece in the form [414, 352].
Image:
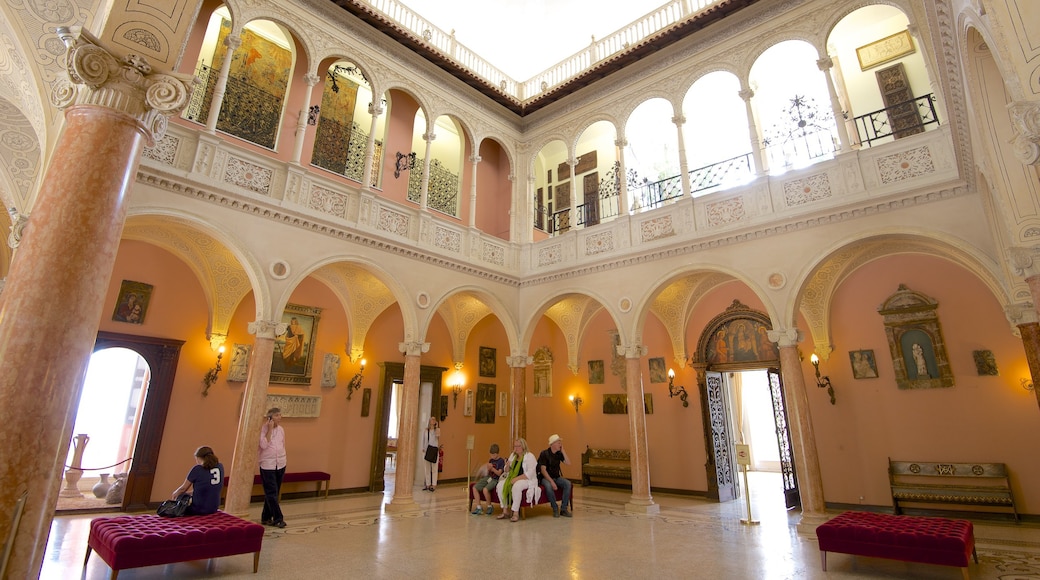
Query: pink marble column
[641, 501]
[244, 462]
[404, 478]
[518, 395]
[55, 290]
[1031, 344]
[803, 439]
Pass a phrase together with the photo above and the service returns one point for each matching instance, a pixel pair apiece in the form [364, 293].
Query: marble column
[244, 462]
[803, 439]
[757, 154]
[625, 203]
[232, 42]
[825, 64]
[474, 160]
[641, 501]
[301, 123]
[424, 189]
[370, 150]
[114, 107]
[573, 210]
[684, 166]
[518, 394]
[1030, 332]
[408, 435]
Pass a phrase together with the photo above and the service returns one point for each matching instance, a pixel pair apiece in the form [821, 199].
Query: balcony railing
[900, 120]
[669, 14]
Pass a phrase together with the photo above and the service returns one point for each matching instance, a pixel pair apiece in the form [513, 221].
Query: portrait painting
[488, 364]
[615, 404]
[596, 372]
[132, 302]
[657, 370]
[864, 366]
[294, 348]
[485, 410]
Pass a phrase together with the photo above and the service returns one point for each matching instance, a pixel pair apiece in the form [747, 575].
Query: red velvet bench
[542, 499]
[908, 538]
[323, 479]
[148, 540]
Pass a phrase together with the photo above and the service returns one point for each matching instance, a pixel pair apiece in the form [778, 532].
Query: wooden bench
[323, 480]
[920, 539]
[149, 540]
[542, 499]
[972, 484]
[605, 463]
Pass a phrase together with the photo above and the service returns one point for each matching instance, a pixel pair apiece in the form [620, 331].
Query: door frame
[162, 355]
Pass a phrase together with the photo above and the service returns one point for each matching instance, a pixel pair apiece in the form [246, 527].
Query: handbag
[431, 454]
[175, 508]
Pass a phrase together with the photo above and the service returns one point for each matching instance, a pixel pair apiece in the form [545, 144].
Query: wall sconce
[824, 381]
[576, 401]
[355, 381]
[674, 391]
[1027, 384]
[456, 388]
[211, 374]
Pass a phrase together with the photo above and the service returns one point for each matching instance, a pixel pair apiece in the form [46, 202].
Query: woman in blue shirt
[206, 481]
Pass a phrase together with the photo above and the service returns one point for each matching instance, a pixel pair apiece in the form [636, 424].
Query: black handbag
[431, 454]
[175, 508]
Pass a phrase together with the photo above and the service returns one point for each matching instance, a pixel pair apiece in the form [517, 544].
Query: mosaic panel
[165, 151]
[448, 239]
[656, 228]
[328, 201]
[550, 255]
[807, 190]
[599, 243]
[905, 165]
[248, 175]
[392, 221]
[493, 254]
[725, 212]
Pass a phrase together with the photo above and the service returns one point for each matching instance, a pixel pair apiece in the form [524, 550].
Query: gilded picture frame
[294, 348]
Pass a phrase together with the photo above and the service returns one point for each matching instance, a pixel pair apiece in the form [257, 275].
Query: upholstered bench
[605, 463]
[149, 540]
[542, 499]
[926, 540]
[323, 479]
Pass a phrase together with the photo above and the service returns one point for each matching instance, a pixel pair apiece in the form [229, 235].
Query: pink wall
[399, 128]
[494, 190]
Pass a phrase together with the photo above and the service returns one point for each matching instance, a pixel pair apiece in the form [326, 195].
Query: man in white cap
[552, 479]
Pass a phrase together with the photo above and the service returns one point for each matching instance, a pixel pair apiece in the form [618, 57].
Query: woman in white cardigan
[519, 477]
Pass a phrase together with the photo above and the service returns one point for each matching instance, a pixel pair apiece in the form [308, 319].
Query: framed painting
[294, 348]
[615, 404]
[542, 368]
[503, 404]
[864, 365]
[985, 364]
[132, 302]
[239, 368]
[485, 410]
[444, 407]
[596, 372]
[467, 409]
[488, 362]
[366, 401]
[657, 371]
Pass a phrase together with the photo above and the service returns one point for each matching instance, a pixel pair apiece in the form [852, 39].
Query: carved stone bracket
[128, 85]
[1025, 119]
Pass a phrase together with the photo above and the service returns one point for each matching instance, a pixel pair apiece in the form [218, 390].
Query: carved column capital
[519, 359]
[413, 348]
[375, 109]
[311, 79]
[825, 63]
[679, 120]
[1023, 261]
[18, 223]
[266, 328]
[127, 85]
[746, 94]
[232, 41]
[631, 350]
[785, 336]
[1025, 120]
[429, 137]
[474, 159]
[621, 143]
[1021, 313]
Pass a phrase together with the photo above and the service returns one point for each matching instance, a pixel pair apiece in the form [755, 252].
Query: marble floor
[352, 536]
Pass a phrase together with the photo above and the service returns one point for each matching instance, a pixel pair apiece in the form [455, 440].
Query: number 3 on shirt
[216, 476]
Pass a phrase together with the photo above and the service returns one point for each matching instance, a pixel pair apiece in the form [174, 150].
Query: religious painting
[485, 405]
[294, 348]
[887, 49]
[132, 302]
[915, 340]
[542, 367]
[596, 372]
[736, 337]
[488, 363]
[985, 364]
[864, 366]
[658, 374]
[615, 404]
[503, 404]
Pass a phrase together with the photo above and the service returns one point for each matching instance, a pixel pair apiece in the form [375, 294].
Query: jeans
[565, 487]
[272, 480]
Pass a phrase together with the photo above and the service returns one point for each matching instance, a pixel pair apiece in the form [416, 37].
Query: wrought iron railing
[248, 112]
[442, 189]
[651, 194]
[900, 120]
[801, 149]
[735, 170]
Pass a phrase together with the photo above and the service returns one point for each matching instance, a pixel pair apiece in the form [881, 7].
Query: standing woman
[205, 480]
[272, 467]
[431, 448]
[520, 474]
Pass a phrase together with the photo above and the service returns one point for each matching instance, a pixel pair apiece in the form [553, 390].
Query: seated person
[205, 480]
[520, 476]
[551, 477]
[484, 485]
